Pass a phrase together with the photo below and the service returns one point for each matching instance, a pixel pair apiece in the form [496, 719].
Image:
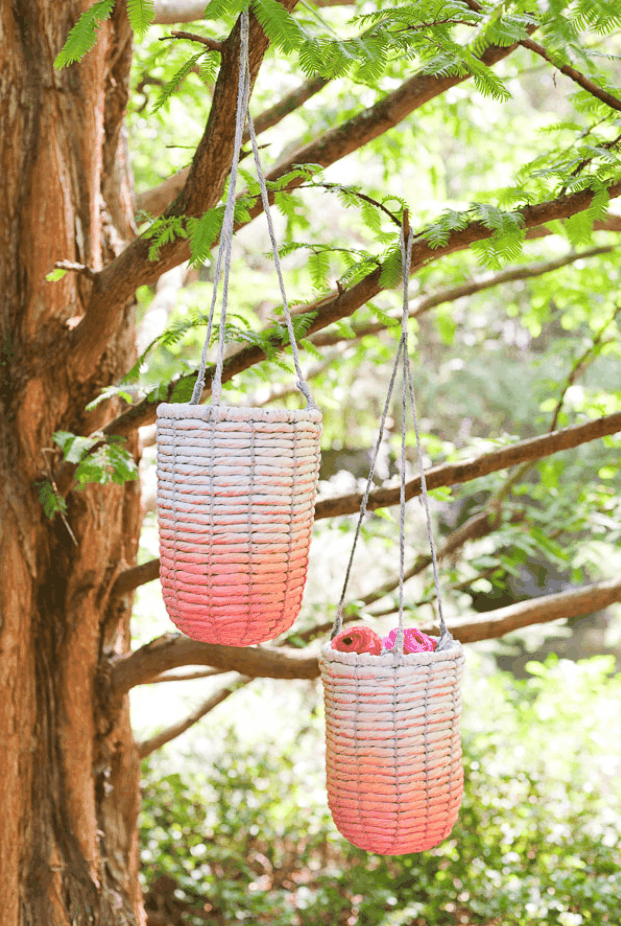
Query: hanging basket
[236, 498]
[393, 747]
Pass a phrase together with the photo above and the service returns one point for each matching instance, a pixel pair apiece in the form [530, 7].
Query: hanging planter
[236, 498]
[236, 486]
[393, 747]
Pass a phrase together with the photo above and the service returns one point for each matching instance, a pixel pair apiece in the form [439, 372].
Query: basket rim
[236, 413]
[391, 659]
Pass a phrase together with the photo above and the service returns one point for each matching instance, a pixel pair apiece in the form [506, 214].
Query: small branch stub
[211, 44]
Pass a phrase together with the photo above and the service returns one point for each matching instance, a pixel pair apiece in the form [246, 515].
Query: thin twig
[170, 733]
[74, 267]
[59, 499]
[211, 44]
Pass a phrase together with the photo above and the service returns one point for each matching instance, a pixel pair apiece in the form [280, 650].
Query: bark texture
[68, 851]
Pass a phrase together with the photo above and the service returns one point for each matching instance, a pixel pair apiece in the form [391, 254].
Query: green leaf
[176, 80]
[319, 268]
[280, 27]
[109, 393]
[203, 233]
[55, 275]
[391, 269]
[141, 14]
[84, 34]
[51, 501]
[218, 9]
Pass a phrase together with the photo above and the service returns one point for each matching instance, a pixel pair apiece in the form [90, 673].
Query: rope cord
[408, 388]
[226, 235]
[338, 621]
[226, 238]
[301, 383]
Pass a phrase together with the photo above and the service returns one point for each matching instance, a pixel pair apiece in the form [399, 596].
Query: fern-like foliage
[180, 75]
[141, 14]
[83, 36]
[164, 230]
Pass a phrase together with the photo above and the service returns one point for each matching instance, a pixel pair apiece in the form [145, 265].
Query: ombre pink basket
[236, 501]
[393, 746]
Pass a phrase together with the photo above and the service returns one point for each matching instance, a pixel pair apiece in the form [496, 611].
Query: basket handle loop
[402, 359]
[226, 237]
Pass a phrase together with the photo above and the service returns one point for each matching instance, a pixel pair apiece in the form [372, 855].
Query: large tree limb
[542, 610]
[116, 284]
[146, 747]
[535, 448]
[343, 304]
[174, 650]
[156, 200]
[423, 304]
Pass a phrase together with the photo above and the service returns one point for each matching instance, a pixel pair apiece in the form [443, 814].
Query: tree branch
[183, 676]
[478, 526]
[212, 44]
[157, 199]
[574, 75]
[133, 578]
[535, 448]
[174, 650]
[146, 747]
[542, 610]
[336, 305]
[119, 280]
[423, 304]
[116, 284]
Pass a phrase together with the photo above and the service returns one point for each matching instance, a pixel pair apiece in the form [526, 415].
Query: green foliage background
[246, 836]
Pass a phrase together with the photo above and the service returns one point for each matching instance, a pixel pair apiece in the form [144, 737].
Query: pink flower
[358, 640]
[415, 641]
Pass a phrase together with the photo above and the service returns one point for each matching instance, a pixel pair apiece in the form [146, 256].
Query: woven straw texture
[393, 747]
[236, 500]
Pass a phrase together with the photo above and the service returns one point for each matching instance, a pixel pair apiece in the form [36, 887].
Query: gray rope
[338, 621]
[408, 386]
[446, 637]
[226, 235]
[226, 239]
[301, 383]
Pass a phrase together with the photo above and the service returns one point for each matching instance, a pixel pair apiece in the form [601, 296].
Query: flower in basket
[415, 641]
[358, 640]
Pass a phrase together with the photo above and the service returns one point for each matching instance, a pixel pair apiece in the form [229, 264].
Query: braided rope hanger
[402, 358]
[226, 238]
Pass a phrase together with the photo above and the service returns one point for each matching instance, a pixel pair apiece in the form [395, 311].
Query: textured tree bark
[69, 771]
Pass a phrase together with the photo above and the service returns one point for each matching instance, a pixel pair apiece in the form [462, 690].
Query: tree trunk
[69, 770]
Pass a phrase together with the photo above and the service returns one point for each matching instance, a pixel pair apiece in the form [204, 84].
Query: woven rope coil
[393, 746]
[236, 501]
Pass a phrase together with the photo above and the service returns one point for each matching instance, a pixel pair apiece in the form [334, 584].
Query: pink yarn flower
[415, 641]
[358, 640]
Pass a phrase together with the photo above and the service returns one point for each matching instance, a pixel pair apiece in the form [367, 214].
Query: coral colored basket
[236, 498]
[393, 747]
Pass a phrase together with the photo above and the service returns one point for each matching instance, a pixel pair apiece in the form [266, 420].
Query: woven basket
[393, 747]
[236, 498]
